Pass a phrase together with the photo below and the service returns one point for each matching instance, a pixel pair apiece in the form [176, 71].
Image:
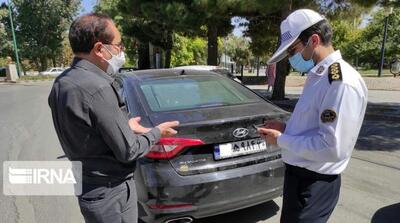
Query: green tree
[6, 48]
[111, 8]
[156, 21]
[368, 45]
[238, 48]
[151, 22]
[66, 55]
[345, 33]
[40, 27]
[188, 51]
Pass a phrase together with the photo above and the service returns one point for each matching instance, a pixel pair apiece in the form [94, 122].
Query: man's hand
[136, 127]
[270, 135]
[275, 124]
[166, 128]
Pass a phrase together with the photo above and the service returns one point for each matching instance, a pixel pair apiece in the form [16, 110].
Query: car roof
[199, 67]
[162, 73]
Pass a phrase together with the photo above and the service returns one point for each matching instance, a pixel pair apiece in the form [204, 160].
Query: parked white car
[53, 71]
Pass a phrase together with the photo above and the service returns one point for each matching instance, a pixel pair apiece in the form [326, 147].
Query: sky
[88, 5]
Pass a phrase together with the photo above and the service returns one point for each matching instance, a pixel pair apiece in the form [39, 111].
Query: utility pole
[383, 48]
[14, 39]
[388, 11]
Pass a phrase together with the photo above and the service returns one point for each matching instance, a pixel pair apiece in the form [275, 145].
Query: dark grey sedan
[217, 162]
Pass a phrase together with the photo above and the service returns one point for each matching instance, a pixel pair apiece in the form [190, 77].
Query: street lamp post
[14, 39]
[388, 11]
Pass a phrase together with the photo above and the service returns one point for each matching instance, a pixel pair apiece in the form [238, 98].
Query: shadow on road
[379, 135]
[254, 214]
[388, 214]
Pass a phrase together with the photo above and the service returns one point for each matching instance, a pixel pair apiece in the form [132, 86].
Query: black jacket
[91, 126]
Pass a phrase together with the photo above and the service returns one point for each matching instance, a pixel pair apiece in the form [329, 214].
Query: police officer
[318, 139]
[93, 129]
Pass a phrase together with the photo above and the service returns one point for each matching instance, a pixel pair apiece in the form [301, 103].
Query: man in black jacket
[93, 129]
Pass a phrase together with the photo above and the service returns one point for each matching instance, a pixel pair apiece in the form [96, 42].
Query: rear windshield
[192, 92]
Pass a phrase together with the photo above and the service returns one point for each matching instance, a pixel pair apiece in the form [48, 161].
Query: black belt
[104, 181]
[303, 172]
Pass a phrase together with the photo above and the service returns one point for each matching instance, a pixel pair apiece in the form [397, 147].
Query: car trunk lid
[217, 138]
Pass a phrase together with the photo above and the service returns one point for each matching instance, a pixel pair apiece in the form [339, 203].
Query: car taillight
[167, 148]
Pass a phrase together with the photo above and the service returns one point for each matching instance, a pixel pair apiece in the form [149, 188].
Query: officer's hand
[270, 135]
[275, 124]
[136, 127]
[166, 128]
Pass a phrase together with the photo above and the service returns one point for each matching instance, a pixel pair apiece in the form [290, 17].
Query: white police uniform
[322, 131]
[319, 139]
[324, 126]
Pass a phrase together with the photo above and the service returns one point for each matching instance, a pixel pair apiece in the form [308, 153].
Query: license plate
[233, 149]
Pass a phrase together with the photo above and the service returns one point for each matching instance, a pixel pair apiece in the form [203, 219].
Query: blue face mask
[298, 63]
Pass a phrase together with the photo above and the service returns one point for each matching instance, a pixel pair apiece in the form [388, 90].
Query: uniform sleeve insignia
[328, 115]
[335, 73]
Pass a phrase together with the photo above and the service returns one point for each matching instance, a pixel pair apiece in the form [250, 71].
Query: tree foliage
[156, 21]
[6, 48]
[111, 8]
[238, 48]
[367, 47]
[40, 25]
[188, 51]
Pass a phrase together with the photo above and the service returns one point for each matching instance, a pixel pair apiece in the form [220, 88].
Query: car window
[194, 92]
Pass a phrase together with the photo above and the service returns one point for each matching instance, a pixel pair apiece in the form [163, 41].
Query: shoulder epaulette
[335, 73]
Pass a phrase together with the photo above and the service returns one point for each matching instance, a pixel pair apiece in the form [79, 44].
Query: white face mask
[115, 62]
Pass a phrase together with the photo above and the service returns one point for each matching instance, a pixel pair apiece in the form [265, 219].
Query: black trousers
[109, 203]
[308, 197]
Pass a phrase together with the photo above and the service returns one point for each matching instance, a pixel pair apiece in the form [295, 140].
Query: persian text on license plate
[233, 149]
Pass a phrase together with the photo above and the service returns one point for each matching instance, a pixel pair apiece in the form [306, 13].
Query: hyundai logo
[240, 132]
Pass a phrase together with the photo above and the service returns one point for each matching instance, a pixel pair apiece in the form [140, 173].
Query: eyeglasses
[292, 50]
[120, 46]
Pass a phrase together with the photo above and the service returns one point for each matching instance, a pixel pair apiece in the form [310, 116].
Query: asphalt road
[370, 183]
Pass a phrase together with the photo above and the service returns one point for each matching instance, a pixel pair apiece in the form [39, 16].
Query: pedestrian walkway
[373, 83]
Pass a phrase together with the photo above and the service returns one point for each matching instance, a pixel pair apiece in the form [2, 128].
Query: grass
[374, 73]
[37, 78]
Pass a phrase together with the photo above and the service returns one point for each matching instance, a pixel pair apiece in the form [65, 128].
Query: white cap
[291, 27]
